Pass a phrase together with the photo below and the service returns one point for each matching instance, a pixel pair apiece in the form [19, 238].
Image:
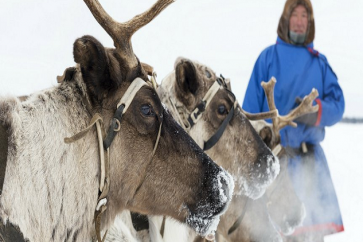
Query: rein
[104, 143]
[238, 222]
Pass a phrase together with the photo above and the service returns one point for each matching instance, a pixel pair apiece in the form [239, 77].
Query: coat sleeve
[331, 104]
[255, 96]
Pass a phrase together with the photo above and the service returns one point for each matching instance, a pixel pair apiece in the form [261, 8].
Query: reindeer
[246, 219]
[278, 203]
[208, 110]
[60, 187]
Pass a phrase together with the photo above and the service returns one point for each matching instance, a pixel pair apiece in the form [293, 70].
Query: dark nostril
[225, 187]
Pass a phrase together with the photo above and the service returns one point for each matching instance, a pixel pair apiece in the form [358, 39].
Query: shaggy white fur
[50, 188]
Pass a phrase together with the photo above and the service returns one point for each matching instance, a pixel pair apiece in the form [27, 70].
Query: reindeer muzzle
[205, 216]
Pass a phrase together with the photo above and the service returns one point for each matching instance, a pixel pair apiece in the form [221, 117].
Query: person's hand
[309, 118]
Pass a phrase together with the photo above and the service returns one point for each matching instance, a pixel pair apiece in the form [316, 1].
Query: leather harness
[10, 232]
[105, 141]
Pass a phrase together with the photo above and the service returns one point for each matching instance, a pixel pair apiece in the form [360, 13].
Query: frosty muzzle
[216, 196]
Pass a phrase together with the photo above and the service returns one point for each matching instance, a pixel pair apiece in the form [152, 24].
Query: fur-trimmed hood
[283, 28]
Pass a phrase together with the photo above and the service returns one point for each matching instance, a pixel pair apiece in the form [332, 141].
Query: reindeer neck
[56, 196]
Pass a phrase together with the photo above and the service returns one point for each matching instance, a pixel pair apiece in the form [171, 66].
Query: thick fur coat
[32, 193]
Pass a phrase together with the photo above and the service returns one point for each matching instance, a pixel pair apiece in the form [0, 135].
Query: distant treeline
[352, 120]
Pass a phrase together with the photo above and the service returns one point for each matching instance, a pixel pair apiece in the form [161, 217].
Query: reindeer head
[203, 106]
[156, 168]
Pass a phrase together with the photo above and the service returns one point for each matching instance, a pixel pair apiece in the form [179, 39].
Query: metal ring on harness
[118, 126]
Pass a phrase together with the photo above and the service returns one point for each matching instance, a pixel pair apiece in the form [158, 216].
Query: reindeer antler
[121, 33]
[259, 116]
[305, 107]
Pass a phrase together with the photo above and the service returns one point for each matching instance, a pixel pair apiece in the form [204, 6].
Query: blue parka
[299, 69]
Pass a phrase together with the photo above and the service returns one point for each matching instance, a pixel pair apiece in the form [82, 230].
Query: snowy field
[37, 38]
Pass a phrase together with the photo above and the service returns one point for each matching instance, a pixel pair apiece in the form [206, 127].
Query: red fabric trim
[320, 111]
[330, 228]
[314, 52]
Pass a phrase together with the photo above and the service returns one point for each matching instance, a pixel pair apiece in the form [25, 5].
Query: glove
[307, 119]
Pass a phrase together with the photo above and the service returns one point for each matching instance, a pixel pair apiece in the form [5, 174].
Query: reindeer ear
[186, 76]
[266, 136]
[98, 73]
[89, 53]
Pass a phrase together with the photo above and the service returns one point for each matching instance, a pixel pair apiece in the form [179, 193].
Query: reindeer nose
[226, 185]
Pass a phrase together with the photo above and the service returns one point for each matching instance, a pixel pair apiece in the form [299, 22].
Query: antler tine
[306, 106]
[121, 33]
[269, 91]
[143, 19]
[269, 87]
[279, 122]
[102, 17]
[259, 116]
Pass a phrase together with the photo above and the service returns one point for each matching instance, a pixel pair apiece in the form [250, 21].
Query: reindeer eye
[222, 109]
[147, 110]
[207, 73]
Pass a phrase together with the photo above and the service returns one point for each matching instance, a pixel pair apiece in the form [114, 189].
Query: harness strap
[277, 149]
[115, 126]
[122, 107]
[97, 117]
[104, 179]
[97, 218]
[237, 223]
[214, 139]
[162, 229]
[130, 93]
[104, 145]
[196, 113]
[157, 140]
[3, 155]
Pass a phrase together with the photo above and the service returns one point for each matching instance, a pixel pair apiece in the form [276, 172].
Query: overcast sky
[37, 38]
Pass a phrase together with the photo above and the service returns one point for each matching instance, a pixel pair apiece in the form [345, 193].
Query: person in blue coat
[298, 68]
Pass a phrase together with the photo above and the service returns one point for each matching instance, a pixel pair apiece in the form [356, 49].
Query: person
[298, 68]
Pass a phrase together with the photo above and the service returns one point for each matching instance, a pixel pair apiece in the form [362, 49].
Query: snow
[342, 146]
[37, 38]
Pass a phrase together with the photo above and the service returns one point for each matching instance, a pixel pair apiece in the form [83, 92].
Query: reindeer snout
[226, 187]
[215, 197]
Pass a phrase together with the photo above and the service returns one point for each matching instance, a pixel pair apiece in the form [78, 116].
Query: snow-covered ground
[342, 145]
[37, 38]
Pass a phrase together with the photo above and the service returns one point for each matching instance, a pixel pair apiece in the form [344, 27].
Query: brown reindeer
[58, 189]
[286, 211]
[188, 94]
[280, 204]
[204, 106]
[246, 219]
